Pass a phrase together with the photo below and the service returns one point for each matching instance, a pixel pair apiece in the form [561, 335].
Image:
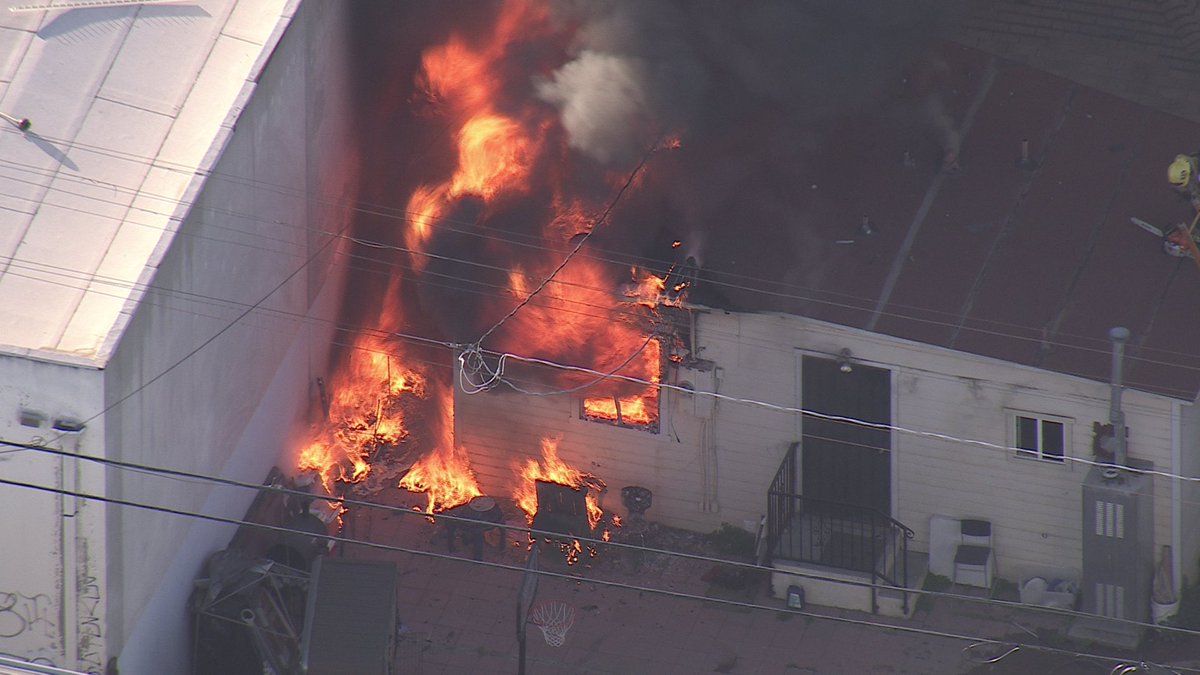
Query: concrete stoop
[892, 602]
[832, 587]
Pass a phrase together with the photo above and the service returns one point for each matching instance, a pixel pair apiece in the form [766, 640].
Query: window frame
[1040, 453]
[619, 422]
[660, 402]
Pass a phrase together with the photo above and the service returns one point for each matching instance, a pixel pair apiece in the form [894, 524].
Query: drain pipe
[1119, 336]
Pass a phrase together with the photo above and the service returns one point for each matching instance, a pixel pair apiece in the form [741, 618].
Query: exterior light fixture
[68, 425]
[31, 418]
[844, 361]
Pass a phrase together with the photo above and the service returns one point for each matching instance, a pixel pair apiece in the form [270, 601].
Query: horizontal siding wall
[1035, 506]
[499, 442]
[748, 441]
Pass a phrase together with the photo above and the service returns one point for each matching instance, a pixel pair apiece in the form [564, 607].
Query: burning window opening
[640, 410]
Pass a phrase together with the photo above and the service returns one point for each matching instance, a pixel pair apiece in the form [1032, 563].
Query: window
[633, 410]
[1040, 437]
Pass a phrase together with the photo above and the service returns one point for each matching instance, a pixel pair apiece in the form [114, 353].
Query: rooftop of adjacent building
[128, 104]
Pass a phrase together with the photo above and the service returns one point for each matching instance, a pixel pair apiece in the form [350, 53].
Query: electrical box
[1118, 543]
[700, 378]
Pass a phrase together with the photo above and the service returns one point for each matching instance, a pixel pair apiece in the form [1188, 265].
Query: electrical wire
[600, 220]
[157, 162]
[601, 376]
[954, 322]
[746, 401]
[574, 579]
[633, 380]
[971, 442]
[590, 541]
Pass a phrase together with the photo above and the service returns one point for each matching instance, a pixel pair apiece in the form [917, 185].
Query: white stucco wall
[51, 572]
[215, 372]
[1035, 506]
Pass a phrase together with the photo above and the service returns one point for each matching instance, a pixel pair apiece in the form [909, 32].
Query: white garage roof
[130, 104]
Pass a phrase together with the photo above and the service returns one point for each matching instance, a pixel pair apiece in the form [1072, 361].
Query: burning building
[541, 245]
[401, 245]
[564, 145]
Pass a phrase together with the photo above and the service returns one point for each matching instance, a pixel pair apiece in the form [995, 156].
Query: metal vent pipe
[1119, 336]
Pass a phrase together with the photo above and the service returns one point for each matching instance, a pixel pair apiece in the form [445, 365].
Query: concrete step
[892, 602]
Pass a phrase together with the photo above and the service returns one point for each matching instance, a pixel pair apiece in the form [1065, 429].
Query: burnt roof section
[1026, 262]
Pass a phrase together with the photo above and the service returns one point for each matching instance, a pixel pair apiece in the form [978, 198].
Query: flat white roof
[129, 105]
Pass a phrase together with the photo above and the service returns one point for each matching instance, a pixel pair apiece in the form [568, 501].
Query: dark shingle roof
[1031, 265]
[1145, 50]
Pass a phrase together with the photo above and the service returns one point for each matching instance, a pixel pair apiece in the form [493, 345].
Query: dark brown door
[845, 462]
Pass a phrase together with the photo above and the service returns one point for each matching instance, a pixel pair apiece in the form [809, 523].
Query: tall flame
[500, 152]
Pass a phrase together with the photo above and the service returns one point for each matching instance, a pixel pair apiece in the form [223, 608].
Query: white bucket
[1160, 612]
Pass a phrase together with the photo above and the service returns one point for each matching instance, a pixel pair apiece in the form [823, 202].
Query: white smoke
[645, 68]
[603, 105]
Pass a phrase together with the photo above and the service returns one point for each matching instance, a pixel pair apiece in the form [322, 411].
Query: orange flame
[445, 474]
[364, 415]
[554, 470]
[497, 151]
[494, 155]
[445, 477]
[648, 291]
[637, 409]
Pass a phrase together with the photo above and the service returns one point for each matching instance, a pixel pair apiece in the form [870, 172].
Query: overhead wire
[287, 190]
[341, 500]
[575, 579]
[634, 380]
[1040, 340]
[600, 375]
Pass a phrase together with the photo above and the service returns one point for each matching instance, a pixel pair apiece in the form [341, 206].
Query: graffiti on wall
[91, 631]
[22, 614]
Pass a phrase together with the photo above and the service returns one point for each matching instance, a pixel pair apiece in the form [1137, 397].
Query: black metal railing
[833, 534]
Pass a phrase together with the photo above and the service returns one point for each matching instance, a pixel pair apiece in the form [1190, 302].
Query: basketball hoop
[555, 619]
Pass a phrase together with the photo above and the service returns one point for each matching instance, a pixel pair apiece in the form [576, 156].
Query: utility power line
[861, 302]
[407, 512]
[348, 541]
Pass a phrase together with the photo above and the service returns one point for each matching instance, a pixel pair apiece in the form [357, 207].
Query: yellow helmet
[1180, 171]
